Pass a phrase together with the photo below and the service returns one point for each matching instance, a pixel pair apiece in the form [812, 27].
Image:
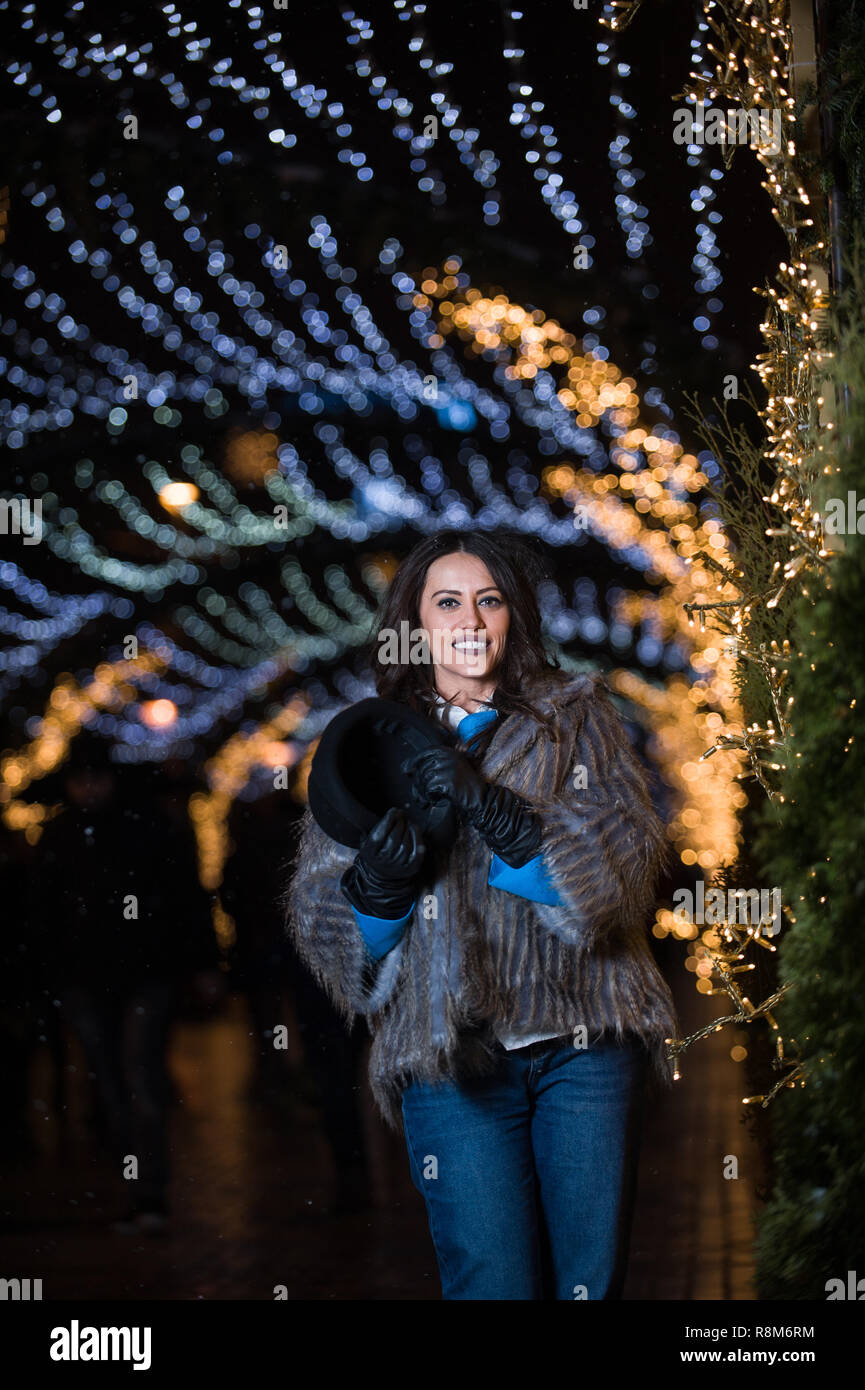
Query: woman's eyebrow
[485, 590]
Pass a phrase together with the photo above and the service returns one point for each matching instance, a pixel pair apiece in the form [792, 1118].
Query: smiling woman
[472, 597]
[516, 1009]
[466, 619]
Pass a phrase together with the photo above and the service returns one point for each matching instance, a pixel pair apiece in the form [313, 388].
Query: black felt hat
[356, 774]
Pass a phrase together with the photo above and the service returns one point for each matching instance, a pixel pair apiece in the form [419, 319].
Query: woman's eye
[490, 598]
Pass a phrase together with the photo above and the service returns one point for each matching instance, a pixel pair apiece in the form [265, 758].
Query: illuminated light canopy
[286, 334]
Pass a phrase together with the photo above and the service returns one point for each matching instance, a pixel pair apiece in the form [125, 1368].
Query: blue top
[531, 881]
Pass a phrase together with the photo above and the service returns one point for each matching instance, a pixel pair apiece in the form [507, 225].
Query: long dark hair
[517, 571]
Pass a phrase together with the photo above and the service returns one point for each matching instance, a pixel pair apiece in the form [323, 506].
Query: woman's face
[465, 616]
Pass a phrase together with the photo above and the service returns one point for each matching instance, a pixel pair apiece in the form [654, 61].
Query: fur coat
[473, 954]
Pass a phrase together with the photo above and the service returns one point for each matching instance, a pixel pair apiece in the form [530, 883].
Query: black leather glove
[504, 820]
[382, 880]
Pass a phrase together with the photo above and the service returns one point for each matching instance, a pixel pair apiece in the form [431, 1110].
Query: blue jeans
[529, 1174]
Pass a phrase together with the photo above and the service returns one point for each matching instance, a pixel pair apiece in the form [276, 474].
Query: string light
[175, 496]
[752, 63]
[227, 772]
[70, 706]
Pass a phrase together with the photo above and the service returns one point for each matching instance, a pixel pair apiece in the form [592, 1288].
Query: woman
[516, 1010]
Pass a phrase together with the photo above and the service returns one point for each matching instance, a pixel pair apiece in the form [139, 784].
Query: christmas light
[751, 69]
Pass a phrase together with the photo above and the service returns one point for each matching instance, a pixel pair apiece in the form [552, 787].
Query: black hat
[356, 774]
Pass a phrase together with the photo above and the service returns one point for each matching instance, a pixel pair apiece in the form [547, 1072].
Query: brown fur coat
[473, 954]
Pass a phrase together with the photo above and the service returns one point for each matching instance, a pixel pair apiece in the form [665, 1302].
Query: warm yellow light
[158, 714]
[173, 496]
[279, 754]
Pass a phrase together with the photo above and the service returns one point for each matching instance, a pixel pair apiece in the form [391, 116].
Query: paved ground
[252, 1189]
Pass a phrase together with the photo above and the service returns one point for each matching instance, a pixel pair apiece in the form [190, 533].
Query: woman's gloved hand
[504, 820]
[381, 881]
